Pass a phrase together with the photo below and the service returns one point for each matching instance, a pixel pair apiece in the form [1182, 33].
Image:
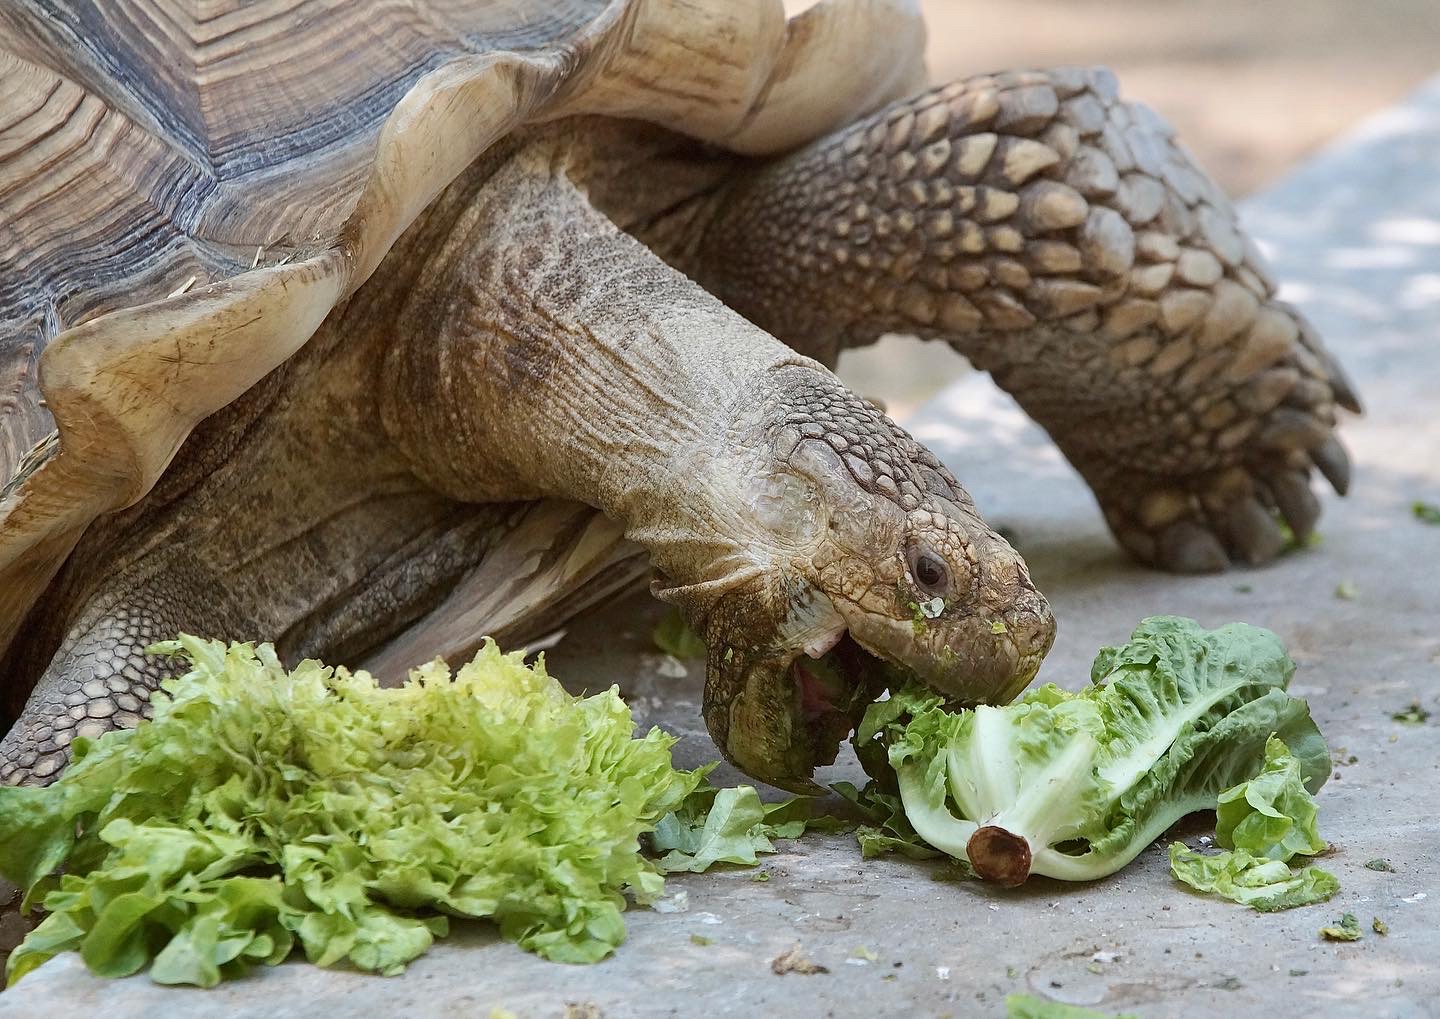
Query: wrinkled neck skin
[542, 351]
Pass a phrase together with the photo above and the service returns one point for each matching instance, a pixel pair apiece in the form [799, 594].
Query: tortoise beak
[779, 716]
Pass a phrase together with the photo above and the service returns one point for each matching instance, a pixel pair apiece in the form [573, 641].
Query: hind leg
[1064, 242]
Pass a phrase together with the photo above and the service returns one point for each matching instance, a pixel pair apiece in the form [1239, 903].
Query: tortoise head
[880, 569]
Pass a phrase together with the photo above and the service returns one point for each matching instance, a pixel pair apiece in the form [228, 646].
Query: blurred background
[1252, 86]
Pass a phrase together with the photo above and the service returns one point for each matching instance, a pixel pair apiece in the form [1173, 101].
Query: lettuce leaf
[1264, 822]
[1272, 815]
[262, 809]
[1265, 884]
[1074, 786]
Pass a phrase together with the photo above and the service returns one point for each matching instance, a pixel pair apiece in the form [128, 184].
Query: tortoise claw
[1297, 504]
[1343, 388]
[1255, 537]
[1334, 463]
[1186, 547]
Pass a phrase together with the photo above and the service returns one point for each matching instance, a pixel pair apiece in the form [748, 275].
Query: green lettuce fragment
[674, 636]
[262, 809]
[1347, 928]
[1075, 785]
[1272, 815]
[888, 831]
[730, 826]
[1264, 884]
[1026, 1006]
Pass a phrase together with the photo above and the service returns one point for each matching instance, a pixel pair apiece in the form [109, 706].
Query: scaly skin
[1061, 240]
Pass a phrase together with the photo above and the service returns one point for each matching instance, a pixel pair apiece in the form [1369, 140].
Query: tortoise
[370, 329]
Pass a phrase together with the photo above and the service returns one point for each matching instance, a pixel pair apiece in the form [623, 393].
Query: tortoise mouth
[832, 692]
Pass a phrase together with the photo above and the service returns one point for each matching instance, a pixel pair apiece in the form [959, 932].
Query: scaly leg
[1064, 242]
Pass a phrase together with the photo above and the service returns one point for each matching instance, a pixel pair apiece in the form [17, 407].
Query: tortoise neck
[540, 351]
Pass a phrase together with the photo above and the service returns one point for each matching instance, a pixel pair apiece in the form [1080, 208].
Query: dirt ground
[1252, 86]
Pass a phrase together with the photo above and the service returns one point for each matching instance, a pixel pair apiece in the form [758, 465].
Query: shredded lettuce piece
[1263, 822]
[1074, 786]
[730, 825]
[1265, 884]
[262, 809]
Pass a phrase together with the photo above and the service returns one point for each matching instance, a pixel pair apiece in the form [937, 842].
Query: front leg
[542, 352]
[1064, 242]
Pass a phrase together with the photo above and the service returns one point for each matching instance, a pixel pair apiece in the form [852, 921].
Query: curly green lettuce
[262, 809]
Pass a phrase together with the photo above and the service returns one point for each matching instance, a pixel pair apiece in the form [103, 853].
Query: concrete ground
[1356, 235]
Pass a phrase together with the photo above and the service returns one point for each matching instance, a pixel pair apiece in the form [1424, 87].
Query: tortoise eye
[930, 572]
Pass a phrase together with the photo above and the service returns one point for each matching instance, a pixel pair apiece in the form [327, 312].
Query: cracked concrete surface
[1356, 236]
